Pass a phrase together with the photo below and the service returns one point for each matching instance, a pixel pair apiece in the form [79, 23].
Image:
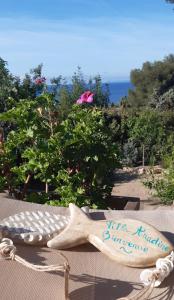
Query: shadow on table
[169, 236]
[34, 254]
[165, 291]
[99, 288]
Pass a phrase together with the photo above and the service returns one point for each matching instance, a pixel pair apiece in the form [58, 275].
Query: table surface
[92, 275]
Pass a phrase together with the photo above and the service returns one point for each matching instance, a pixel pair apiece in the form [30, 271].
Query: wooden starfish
[127, 241]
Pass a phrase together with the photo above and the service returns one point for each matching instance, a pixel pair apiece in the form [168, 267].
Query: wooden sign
[127, 241]
[35, 227]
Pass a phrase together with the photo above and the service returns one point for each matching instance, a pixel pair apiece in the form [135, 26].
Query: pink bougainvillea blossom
[40, 80]
[86, 97]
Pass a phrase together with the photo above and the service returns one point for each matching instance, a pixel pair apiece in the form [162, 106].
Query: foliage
[164, 101]
[146, 132]
[165, 190]
[73, 157]
[7, 87]
[29, 87]
[12, 88]
[130, 153]
[40, 197]
[163, 184]
[69, 150]
[2, 183]
[151, 82]
[132, 130]
[67, 93]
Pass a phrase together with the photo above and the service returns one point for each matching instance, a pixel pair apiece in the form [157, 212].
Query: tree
[12, 88]
[31, 85]
[101, 97]
[66, 94]
[153, 77]
[7, 87]
[164, 101]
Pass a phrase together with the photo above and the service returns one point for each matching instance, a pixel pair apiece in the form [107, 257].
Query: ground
[129, 183]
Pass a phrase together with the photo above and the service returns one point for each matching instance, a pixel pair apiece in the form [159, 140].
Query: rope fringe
[8, 252]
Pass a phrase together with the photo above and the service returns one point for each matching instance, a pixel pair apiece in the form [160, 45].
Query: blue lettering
[106, 235]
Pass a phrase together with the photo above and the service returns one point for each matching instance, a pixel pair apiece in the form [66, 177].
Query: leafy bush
[74, 158]
[131, 153]
[163, 184]
[147, 133]
[2, 184]
[165, 190]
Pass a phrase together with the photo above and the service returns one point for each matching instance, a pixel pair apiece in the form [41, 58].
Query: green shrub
[74, 158]
[164, 186]
[3, 183]
[165, 190]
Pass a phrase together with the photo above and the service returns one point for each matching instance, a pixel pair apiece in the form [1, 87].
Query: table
[93, 276]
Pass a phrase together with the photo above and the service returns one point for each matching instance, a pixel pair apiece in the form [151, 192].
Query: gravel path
[129, 184]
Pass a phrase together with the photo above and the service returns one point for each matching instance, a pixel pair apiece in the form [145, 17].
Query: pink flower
[86, 97]
[40, 80]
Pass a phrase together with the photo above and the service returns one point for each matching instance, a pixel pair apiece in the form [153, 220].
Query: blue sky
[107, 37]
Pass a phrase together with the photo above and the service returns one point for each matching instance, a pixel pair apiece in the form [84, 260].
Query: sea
[118, 90]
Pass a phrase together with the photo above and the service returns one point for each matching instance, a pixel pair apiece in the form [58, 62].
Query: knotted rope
[153, 278]
[8, 252]
[150, 278]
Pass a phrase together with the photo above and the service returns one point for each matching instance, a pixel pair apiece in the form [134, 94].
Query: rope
[153, 278]
[164, 266]
[8, 252]
[150, 278]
